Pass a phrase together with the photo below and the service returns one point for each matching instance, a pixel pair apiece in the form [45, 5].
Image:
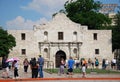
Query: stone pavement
[48, 75]
[26, 77]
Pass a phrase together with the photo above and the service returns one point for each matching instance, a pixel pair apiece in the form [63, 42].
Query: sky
[23, 14]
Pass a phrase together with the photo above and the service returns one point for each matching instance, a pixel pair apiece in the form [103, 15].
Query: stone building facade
[62, 38]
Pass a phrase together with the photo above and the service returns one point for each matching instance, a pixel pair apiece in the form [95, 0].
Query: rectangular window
[95, 36]
[23, 51]
[97, 51]
[60, 35]
[22, 36]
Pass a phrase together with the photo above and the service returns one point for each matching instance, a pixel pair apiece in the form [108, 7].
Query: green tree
[7, 42]
[86, 12]
[116, 33]
[116, 37]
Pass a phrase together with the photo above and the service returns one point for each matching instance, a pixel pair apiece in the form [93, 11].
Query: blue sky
[23, 14]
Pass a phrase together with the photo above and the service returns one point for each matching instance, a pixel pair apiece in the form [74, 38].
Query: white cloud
[45, 7]
[22, 23]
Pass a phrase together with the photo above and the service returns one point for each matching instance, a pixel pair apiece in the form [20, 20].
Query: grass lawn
[98, 71]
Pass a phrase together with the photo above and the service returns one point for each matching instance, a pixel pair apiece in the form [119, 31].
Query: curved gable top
[59, 21]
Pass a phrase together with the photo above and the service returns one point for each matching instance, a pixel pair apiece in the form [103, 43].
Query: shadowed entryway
[59, 55]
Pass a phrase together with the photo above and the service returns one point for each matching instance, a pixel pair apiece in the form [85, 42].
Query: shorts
[96, 64]
[113, 64]
[70, 70]
[83, 69]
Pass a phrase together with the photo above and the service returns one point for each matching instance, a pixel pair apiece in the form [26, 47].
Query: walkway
[26, 77]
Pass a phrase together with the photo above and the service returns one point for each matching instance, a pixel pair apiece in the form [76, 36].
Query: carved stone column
[69, 47]
[39, 47]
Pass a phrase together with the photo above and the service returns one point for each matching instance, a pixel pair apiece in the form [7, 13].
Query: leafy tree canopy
[116, 33]
[7, 42]
[86, 12]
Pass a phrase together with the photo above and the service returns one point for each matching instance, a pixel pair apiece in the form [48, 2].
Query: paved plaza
[22, 74]
[93, 77]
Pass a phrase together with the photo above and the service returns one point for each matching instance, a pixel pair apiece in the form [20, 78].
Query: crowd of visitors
[36, 66]
[84, 64]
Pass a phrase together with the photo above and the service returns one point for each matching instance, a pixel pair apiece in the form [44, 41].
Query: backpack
[96, 63]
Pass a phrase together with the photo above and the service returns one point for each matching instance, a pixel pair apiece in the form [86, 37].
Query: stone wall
[61, 23]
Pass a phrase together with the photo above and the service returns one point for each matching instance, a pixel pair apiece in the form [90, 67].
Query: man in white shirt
[114, 63]
[15, 64]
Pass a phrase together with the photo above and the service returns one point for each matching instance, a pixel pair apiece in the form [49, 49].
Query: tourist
[77, 63]
[71, 63]
[89, 63]
[26, 65]
[62, 65]
[113, 63]
[15, 67]
[96, 63]
[34, 68]
[92, 65]
[31, 63]
[83, 68]
[85, 62]
[103, 64]
[41, 64]
[106, 64]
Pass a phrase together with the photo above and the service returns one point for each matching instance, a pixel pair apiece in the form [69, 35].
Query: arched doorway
[59, 55]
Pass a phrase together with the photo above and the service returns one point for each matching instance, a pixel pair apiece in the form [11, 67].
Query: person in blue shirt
[71, 63]
[41, 64]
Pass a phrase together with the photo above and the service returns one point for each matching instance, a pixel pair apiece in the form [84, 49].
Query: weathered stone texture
[60, 23]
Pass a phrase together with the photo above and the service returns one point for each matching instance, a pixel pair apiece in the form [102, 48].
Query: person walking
[84, 68]
[26, 65]
[34, 68]
[71, 63]
[62, 64]
[41, 64]
[15, 67]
